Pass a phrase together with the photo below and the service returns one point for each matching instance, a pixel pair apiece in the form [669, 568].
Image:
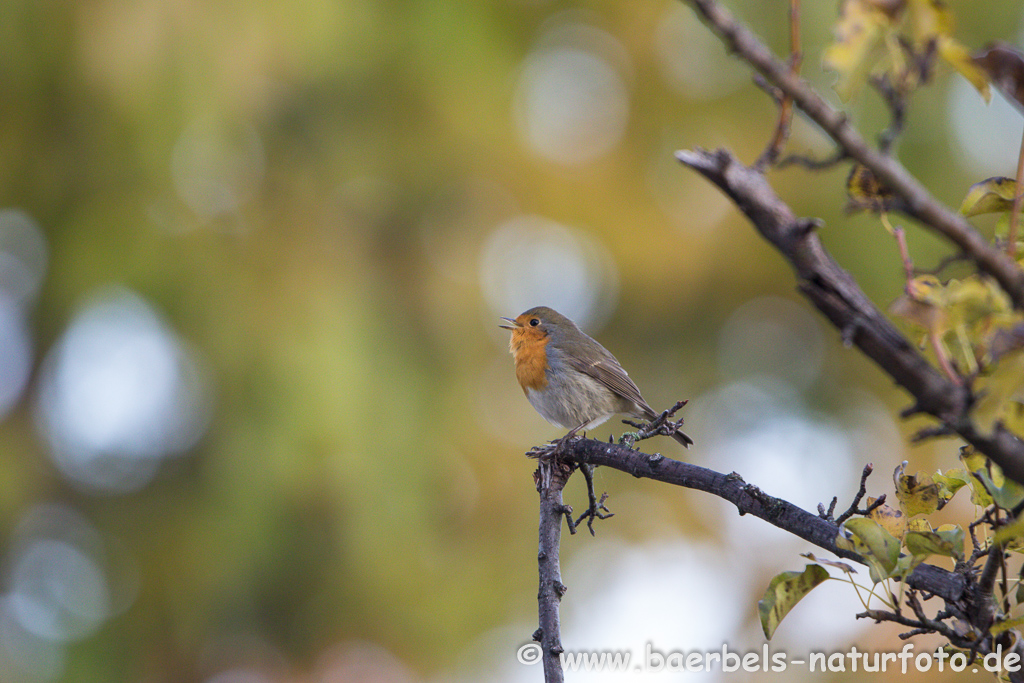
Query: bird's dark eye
[534, 322]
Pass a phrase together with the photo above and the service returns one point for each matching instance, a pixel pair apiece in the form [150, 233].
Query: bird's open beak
[512, 324]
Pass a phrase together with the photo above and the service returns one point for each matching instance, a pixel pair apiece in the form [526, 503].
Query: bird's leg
[571, 435]
[597, 508]
[548, 450]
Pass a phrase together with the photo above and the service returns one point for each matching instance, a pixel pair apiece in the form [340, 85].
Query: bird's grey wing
[608, 372]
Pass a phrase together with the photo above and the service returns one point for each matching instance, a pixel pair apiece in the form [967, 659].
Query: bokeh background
[257, 420]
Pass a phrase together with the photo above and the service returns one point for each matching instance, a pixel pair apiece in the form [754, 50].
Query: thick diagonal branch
[917, 202]
[748, 499]
[835, 293]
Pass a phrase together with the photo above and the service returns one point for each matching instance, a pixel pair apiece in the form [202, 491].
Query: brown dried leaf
[1005, 66]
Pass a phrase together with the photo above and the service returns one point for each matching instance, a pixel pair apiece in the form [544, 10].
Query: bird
[569, 378]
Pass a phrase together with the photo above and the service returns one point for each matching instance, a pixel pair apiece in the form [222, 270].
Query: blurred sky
[257, 421]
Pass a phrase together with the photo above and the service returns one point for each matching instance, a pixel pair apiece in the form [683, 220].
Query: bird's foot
[596, 509]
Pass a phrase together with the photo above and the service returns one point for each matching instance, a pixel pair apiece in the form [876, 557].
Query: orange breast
[531, 358]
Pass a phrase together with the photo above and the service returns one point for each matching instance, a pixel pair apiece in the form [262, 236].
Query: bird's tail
[682, 439]
[649, 413]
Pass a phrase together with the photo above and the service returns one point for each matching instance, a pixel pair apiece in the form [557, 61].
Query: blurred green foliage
[354, 482]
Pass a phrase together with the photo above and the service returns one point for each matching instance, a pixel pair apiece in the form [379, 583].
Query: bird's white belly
[580, 400]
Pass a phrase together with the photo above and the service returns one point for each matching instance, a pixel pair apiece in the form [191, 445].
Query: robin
[570, 379]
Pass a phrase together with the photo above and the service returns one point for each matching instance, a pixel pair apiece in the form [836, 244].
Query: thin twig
[943, 263]
[896, 101]
[1011, 238]
[782, 128]
[861, 492]
[659, 426]
[837, 157]
[901, 242]
[987, 584]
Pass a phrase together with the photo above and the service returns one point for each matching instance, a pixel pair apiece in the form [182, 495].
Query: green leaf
[1009, 532]
[1004, 492]
[876, 545]
[922, 544]
[784, 592]
[950, 482]
[905, 565]
[955, 535]
[1003, 626]
[992, 195]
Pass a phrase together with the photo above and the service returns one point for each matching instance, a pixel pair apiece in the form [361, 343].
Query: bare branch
[834, 292]
[782, 128]
[748, 499]
[549, 595]
[852, 510]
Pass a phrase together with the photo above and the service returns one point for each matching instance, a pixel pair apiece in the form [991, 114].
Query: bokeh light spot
[981, 131]
[15, 354]
[58, 590]
[772, 336]
[572, 103]
[23, 255]
[533, 261]
[693, 61]
[118, 392]
[216, 166]
[22, 653]
[762, 428]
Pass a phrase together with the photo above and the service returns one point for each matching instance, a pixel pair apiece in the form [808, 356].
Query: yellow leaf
[1000, 490]
[999, 394]
[865, 191]
[1011, 532]
[876, 545]
[960, 59]
[784, 592]
[992, 195]
[932, 23]
[890, 519]
[923, 303]
[919, 524]
[1003, 626]
[917, 494]
[930, 20]
[859, 44]
[949, 483]
[973, 461]
[976, 300]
